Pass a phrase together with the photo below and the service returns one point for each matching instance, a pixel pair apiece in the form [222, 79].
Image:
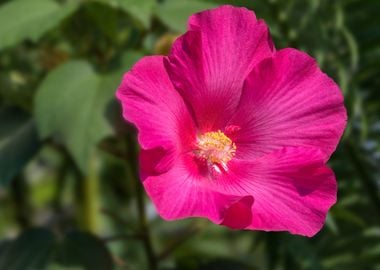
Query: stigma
[215, 149]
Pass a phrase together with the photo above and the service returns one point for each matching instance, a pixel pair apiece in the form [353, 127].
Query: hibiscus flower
[234, 131]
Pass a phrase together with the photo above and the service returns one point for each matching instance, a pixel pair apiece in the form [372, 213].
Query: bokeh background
[68, 197]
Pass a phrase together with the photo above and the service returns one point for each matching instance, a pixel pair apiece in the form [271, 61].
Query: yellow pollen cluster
[216, 148]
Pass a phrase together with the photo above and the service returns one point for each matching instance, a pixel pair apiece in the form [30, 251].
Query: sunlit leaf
[175, 13]
[24, 19]
[70, 106]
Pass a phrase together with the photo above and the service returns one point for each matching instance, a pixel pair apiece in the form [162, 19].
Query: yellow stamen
[215, 148]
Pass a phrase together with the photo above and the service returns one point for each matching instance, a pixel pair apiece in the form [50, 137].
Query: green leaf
[18, 142]
[24, 19]
[140, 10]
[85, 250]
[175, 13]
[32, 250]
[38, 249]
[70, 105]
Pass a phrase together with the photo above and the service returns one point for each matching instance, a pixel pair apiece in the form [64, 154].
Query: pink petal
[288, 101]
[179, 193]
[292, 189]
[239, 215]
[208, 65]
[151, 103]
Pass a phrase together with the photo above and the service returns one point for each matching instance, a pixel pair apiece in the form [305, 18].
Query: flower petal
[151, 103]
[292, 189]
[179, 194]
[208, 65]
[288, 101]
[239, 215]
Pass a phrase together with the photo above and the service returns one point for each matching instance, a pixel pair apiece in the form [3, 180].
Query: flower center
[216, 149]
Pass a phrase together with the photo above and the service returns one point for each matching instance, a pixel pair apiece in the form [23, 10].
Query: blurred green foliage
[68, 199]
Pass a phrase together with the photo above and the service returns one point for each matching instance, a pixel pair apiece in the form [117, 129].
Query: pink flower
[234, 131]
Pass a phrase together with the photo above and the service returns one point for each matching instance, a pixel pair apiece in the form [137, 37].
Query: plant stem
[86, 197]
[89, 189]
[144, 227]
[143, 224]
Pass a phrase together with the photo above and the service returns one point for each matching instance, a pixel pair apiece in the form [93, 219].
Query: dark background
[68, 199]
